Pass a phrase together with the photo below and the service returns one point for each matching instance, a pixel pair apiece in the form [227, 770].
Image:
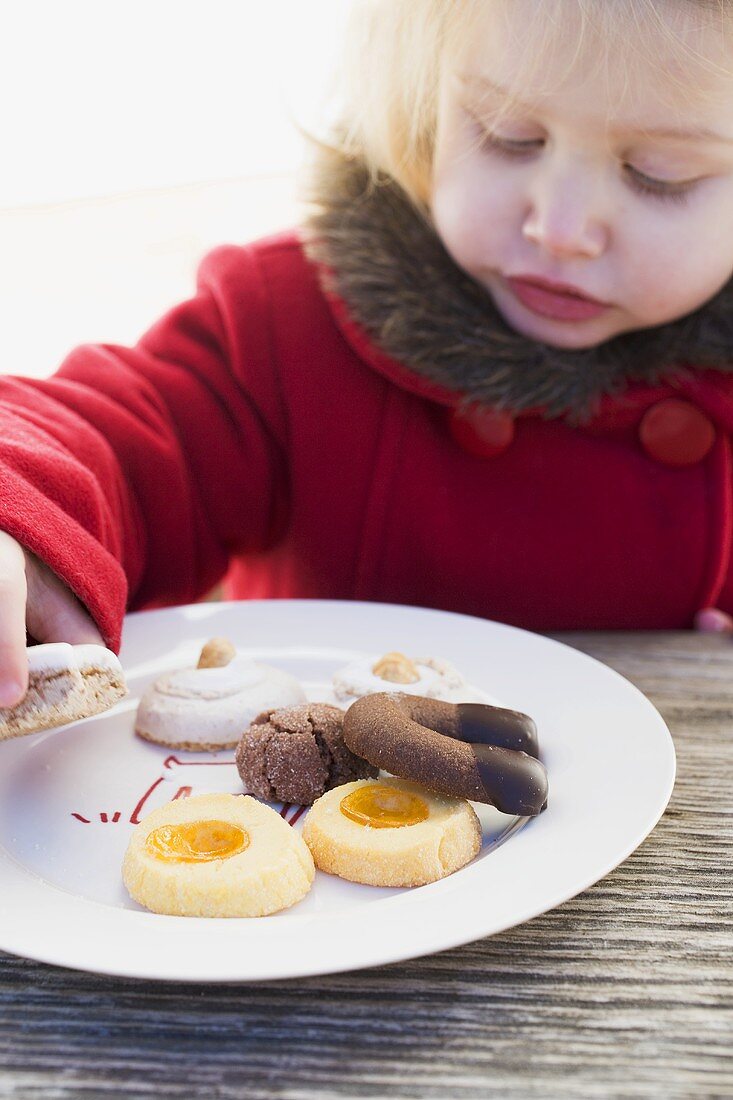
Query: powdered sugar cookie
[209, 707]
[65, 683]
[391, 833]
[216, 855]
[431, 677]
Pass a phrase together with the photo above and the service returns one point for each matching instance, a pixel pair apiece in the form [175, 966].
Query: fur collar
[397, 281]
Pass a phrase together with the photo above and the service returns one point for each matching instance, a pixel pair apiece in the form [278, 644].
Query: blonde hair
[389, 77]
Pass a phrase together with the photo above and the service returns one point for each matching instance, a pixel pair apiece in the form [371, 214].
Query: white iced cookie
[65, 683]
[209, 707]
[216, 855]
[431, 677]
[391, 833]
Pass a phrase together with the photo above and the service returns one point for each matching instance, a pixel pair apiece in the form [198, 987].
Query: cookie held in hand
[294, 754]
[65, 683]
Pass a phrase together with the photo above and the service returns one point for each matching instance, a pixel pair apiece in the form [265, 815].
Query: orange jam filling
[197, 841]
[384, 807]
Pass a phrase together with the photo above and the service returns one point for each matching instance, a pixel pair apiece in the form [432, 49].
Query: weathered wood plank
[624, 991]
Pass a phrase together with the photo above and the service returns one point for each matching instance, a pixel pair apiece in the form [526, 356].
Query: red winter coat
[254, 429]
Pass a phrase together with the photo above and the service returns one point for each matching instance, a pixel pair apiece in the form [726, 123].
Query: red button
[676, 433]
[482, 431]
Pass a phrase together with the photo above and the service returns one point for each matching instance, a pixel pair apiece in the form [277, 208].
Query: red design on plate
[300, 810]
[185, 791]
[135, 816]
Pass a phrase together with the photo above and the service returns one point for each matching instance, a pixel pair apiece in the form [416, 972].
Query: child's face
[574, 192]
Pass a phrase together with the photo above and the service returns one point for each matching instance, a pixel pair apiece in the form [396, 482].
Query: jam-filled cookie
[390, 833]
[216, 855]
[65, 683]
[208, 707]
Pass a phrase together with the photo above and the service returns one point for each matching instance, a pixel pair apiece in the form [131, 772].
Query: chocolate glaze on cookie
[476, 723]
[466, 750]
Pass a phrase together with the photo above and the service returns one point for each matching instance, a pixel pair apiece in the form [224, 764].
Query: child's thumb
[13, 664]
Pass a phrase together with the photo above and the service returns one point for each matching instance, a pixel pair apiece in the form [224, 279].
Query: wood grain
[625, 991]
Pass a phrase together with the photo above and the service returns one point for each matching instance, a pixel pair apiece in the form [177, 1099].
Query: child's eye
[677, 192]
[508, 145]
[646, 185]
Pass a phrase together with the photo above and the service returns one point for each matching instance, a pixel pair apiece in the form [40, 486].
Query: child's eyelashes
[646, 185]
[676, 192]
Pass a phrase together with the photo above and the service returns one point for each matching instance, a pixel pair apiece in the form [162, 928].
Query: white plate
[69, 799]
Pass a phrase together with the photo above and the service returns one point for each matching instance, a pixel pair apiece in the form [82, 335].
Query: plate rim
[60, 955]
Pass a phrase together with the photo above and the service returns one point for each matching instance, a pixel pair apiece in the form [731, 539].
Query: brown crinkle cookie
[294, 754]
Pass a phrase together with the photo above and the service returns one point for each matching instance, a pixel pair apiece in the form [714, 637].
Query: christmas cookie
[208, 707]
[216, 855]
[65, 683]
[296, 753]
[467, 750]
[391, 833]
[429, 676]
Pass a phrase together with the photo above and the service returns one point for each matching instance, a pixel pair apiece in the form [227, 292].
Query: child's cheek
[472, 215]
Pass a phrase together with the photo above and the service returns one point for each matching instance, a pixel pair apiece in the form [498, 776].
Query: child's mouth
[560, 306]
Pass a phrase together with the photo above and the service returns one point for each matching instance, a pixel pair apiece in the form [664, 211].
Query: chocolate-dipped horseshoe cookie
[467, 750]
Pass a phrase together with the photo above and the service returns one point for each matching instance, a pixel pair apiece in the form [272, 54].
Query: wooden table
[625, 991]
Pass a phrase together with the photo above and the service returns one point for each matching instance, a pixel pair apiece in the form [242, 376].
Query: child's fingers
[54, 613]
[32, 597]
[711, 620]
[13, 661]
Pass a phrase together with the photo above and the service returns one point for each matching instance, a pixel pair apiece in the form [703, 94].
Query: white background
[134, 137]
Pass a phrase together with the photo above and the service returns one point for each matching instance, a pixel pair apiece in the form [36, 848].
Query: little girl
[492, 372]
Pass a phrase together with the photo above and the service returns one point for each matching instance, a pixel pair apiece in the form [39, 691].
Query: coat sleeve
[136, 473]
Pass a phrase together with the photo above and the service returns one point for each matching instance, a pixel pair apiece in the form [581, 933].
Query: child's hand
[32, 597]
[711, 620]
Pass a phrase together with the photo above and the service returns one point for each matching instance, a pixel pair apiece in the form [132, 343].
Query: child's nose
[566, 217]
